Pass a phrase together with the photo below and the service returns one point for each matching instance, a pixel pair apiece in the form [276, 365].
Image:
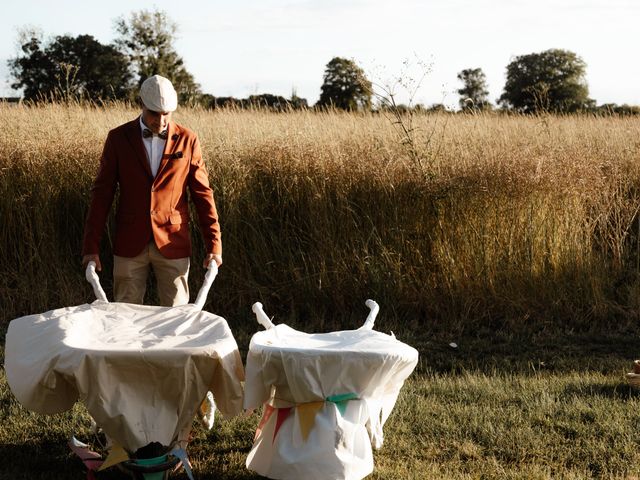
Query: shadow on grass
[43, 460]
[50, 460]
[222, 473]
[501, 352]
[616, 391]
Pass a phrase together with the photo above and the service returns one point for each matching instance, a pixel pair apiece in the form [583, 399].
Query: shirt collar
[143, 126]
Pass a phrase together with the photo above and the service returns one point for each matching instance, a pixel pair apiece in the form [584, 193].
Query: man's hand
[92, 257]
[211, 256]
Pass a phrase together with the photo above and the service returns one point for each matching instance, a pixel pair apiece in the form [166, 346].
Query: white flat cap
[158, 94]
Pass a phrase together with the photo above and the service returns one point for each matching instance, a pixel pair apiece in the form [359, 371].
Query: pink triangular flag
[266, 415]
[283, 413]
[91, 459]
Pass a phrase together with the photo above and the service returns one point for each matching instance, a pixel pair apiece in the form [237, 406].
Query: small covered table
[326, 398]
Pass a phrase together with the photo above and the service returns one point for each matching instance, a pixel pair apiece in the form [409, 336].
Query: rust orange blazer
[151, 208]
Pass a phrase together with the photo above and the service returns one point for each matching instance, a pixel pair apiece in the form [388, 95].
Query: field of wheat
[517, 237]
[481, 221]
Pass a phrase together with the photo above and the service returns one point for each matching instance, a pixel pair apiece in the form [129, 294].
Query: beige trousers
[130, 277]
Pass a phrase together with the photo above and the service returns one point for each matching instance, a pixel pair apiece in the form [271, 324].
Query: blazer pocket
[178, 218]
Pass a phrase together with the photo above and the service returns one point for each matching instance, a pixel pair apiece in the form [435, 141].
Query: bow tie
[146, 133]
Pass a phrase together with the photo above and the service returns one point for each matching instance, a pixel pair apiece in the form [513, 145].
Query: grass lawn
[495, 407]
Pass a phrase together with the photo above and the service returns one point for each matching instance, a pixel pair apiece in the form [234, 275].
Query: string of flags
[94, 463]
[306, 413]
[306, 417]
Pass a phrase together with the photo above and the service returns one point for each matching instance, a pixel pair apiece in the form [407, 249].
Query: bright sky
[273, 46]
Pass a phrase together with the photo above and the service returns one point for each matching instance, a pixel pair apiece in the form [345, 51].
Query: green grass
[495, 407]
[499, 425]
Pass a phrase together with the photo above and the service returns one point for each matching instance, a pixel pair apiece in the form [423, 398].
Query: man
[153, 161]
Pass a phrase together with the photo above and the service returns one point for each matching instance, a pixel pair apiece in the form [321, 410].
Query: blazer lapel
[135, 139]
[173, 135]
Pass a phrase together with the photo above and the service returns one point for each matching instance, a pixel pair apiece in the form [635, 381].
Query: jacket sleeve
[202, 197]
[102, 194]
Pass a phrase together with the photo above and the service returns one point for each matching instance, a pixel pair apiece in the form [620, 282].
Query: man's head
[158, 99]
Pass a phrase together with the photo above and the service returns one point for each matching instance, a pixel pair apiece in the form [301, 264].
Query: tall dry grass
[521, 223]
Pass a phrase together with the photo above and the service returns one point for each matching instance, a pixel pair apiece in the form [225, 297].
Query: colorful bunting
[117, 454]
[182, 455]
[307, 416]
[92, 460]
[266, 415]
[342, 407]
[341, 401]
[283, 413]
[207, 411]
[342, 397]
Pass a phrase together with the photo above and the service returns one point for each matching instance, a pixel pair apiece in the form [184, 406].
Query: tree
[474, 94]
[69, 67]
[437, 108]
[553, 81]
[224, 102]
[269, 101]
[147, 38]
[615, 109]
[345, 86]
[296, 102]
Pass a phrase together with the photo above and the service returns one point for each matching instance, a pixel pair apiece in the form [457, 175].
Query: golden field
[479, 222]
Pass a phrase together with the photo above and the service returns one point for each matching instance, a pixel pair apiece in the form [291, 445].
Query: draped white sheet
[142, 371]
[289, 369]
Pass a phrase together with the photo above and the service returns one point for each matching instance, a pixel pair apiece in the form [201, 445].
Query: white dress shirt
[154, 146]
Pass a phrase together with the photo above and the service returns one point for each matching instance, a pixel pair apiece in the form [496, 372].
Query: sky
[277, 46]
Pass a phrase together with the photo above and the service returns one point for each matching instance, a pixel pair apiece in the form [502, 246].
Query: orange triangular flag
[307, 416]
[117, 454]
[266, 415]
[283, 413]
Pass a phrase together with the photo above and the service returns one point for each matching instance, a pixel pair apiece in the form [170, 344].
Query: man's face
[155, 121]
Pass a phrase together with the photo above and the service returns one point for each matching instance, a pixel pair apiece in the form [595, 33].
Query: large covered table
[141, 371]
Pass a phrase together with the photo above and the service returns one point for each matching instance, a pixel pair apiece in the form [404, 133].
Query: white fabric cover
[142, 371]
[286, 368]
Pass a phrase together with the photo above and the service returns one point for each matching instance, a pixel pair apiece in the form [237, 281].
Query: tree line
[81, 68]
